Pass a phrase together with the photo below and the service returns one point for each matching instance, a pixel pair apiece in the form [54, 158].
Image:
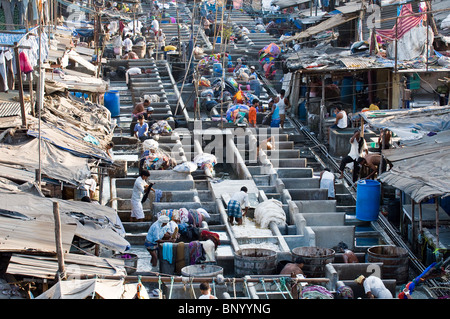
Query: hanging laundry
[196, 253]
[3, 77]
[167, 252]
[25, 65]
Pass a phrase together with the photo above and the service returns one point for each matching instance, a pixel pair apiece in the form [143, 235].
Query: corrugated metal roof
[12, 108]
[357, 63]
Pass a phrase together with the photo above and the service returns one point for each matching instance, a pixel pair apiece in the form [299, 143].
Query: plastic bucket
[201, 271]
[112, 102]
[131, 261]
[395, 261]
[315, 260]
[368, 200]
[255, 261]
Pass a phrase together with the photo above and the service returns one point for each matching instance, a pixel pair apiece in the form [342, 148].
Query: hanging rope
[279, 288]
[214, 287]
[246, 286]
[171, 286]
[264, 286]
[159, 287]
[192, 288]
[283, 282]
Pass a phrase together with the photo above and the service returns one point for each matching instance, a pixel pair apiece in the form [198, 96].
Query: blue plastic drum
[368, 194]
[112, 102]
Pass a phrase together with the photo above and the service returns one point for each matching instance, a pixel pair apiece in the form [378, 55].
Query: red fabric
[25, 65]
[404, 24]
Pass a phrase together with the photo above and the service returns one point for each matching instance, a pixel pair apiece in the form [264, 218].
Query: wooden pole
[396, 45]
[19, 76]
[58, 241]
[436, 199]
[413, 205]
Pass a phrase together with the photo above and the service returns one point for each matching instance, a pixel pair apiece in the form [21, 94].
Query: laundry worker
[127, 43]
[155, 26]
[326, 181]
[139, 187]
[294, 268]
[141, 129]
[275, 113]
[341, 118]
[252, 113]
[253, 71]
[91, 185]
[130, 72]
[205, 289]
[283, 105]
[254, 85]
[109, 149]
[375, 106]
[148, 116]
[244, 30]
[157, 233]
[374, 287]
[238, 202]
[348, 255]
[139, 109]
[358, 148]
[373, 162]
[385, 136]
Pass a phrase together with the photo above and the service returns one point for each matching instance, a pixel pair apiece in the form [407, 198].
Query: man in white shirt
[206, 291]
[374, 287]
[326, 181]
[127, 43]
[132, 71]
[235, 205]
[155, 26]
[244, 30]
[91, 186]
[140, 186]
[358, 147]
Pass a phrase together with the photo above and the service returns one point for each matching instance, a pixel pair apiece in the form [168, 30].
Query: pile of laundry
[161, 127]
[154, 158]
[270, 211]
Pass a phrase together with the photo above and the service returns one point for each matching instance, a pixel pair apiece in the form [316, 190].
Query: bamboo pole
[58, 240]
[19, 77]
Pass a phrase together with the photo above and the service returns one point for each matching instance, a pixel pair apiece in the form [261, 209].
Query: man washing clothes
[238, 202]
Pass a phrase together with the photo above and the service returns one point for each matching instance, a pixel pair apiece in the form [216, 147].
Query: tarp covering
[96, 223]
[422, 168]
[55, 163]
[93, 288]
[75, 266]
[411, 124]
[330, 23]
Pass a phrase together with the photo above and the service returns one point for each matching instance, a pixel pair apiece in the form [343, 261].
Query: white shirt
[208, 296]
[342, 123]
[281, 105]
[376, 287]
[245, 30]
[90, 184]
[327, 182]
[354, 153]
[132, 71]
[242, 198]
[155, 25]
[138, 189]
[128, 44]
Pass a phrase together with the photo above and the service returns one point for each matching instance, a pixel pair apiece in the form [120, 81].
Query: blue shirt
[156, 232]
[276, 113]
[140, 129]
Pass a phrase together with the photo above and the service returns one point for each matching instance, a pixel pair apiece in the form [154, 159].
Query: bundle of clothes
[185, 224]
[153, 158]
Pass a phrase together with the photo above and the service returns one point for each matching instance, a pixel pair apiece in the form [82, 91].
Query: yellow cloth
[374, 107]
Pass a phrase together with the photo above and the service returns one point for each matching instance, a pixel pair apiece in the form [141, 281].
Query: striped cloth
[404, 24]
[234, 209]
